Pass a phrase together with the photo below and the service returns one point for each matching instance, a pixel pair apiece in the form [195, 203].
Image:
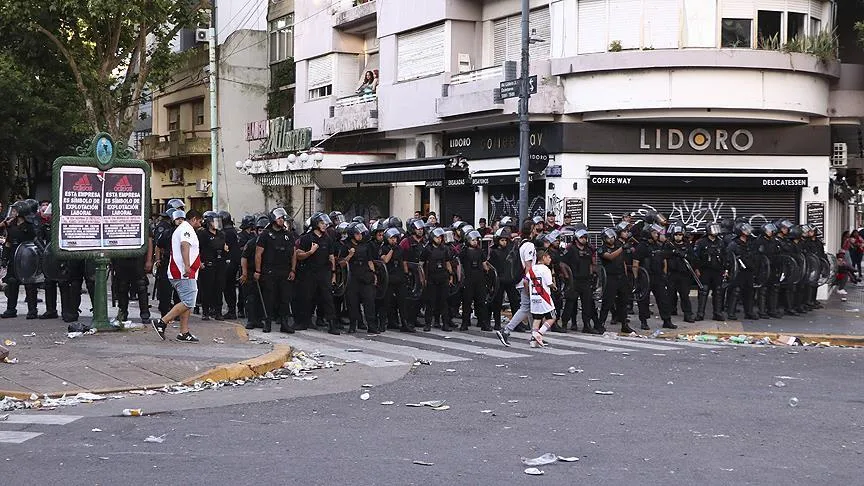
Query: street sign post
[510, 89]
[101, 200]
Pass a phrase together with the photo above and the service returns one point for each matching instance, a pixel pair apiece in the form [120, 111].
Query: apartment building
[701, 109]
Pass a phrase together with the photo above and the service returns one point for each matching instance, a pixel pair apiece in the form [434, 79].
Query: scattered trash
[422, 362]
[218, 340]
[670, 382]
[533, 471]
[59, 343]
[4, 353]
[573, 369]
[423, 463]
[601, 392]
[3, 418]
[779, 384]
[9, 360]
[659, 354]
[593, 379]
[568, 459]
[485, 411]
[449, 370]
[9, 342]
[305, 378]
[611, 335]
[853, 310]
[413, 405]
[364, 396]
[788, 340]
[367, 385]
[559, 374]
[432, 403]
[543, 460]
[441, 408]
[154, 439]
[353, 350]
[32, 334]
[725, 469]
[500, 366]
[132, 412]
[783, 377]
[512, 401]
[95, 430]
[657, 333]
[793, 402]
[523, 376]
[616, 374]
[740, 339]
[388, 402]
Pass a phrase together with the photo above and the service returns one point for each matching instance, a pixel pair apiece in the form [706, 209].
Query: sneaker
[159, 326]
[533, 343]
[842, 292]
[187, 338]
[538, 338]
[504, 337]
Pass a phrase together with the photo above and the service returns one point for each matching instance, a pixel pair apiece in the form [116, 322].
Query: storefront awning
[493, 177]
[768, 179]
[287, 178]
[411, 170]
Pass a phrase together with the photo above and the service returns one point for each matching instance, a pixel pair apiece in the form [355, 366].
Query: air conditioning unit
[839, 156]
[465, 63]
[176, 175]
[202, 35]
[203, 185]
[425, 146]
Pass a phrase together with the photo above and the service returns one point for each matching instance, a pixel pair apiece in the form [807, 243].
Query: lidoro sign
[699, 139]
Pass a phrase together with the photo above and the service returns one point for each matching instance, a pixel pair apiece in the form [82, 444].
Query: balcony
[472, 92]
[179, 143]
[351, 14]
[358, 112]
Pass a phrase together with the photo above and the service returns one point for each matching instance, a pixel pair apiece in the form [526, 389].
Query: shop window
[308, 202]
[768, 29]
[736, 33]
[199, 112]
[795, 26]
[173, 118]
[281, 38]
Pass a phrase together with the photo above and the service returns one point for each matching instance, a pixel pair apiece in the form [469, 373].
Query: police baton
[693, 274]
[261, 296]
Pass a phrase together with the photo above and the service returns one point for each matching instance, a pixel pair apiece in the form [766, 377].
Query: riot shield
[641, 283]
[599, 285]
[564, 278]
[801, 270]
[54, 268]
[27, 262]
[763, 271]
[827, 269]
[383, 279]
[492, 284]
[416, 281]
[457, 277]
[814, 270]
[342, 275]
[787, 270]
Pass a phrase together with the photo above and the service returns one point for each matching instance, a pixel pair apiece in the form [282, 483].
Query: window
[815, 26]
[735, 32]
[507, 37]
[768, 29]
[795, 26]
[139, 138]
[308, 202]
[320, 77]
[591, 25]
[420, 53]
[173, 118]
[199, 112]
[281, 38]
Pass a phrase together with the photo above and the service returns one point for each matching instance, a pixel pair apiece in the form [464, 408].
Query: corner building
[700, 109]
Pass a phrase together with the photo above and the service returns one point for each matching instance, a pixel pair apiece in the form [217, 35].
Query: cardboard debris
[788, 340]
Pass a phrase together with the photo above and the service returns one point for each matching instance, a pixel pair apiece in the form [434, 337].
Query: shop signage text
[700, 181]
[281, 137]
[699, 139]
[503, 142]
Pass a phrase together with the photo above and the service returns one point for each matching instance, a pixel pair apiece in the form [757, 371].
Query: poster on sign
[101, 209]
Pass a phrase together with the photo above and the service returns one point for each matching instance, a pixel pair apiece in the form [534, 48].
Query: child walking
[542, 306]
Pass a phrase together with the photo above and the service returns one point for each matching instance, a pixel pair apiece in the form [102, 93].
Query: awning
[767, 179]
[411, 170]
[498, 177]
[287, 178]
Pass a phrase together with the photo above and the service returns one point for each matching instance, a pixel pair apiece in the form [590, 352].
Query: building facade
[699, 109]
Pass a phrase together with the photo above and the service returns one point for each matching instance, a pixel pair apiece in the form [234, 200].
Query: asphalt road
[687, 415]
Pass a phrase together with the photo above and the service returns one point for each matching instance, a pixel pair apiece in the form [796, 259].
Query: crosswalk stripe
[494, 341]
[554, 341]
[16, 437]
[41, 419]
[621, 341]
[339, 353]
[447, 344]
[410, 351]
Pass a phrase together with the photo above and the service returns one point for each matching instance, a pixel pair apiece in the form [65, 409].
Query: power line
[239, 12]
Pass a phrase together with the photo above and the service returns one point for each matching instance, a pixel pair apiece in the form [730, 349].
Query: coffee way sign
[718, 140]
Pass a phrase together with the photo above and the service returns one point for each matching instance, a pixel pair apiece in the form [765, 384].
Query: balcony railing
[350, 13]
[357, 99]
[357, 112]
[478, 75]
[178, 143]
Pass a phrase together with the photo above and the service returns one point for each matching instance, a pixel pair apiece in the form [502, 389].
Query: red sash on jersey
[538, 287]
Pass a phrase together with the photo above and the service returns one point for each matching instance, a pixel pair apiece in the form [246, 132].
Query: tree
[113, 49]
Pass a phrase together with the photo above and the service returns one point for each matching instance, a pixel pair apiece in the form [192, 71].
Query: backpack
[512, 270]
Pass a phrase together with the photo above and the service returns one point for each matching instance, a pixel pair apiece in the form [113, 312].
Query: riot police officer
[504, 256]
[359, 256]
[580, 259]
[214, 253]
[813, 246]
[475, 265]
[316, 266]
[20, 229]
[51, 286]
[679, 255]
[253, 305]
[651, 255]
[437, 258]
[768, 250]
[710, 267]
[392, 311]
[412, 250]
[130, 275]
[617, 291]
[788, 249]
[247, 232]
[740, 256]
[232, 265]
[276, 268]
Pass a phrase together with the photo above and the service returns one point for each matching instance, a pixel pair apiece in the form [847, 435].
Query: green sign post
[101, 205]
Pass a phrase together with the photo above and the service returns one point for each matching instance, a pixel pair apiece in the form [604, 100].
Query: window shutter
[539, 21]
[591, 25]
[737, 9]
[420, 53]
[499, 41]
[817, 8]
[625, 21]
[700, 23]
[772, 5]
[662, 24]
[799, 6]
[348, 74]
[320, 72]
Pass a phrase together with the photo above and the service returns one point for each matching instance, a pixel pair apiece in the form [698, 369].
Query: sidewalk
[840, 322]
[51, 363]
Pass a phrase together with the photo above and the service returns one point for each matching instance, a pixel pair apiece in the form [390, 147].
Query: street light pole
[214, 110]
[524, 131]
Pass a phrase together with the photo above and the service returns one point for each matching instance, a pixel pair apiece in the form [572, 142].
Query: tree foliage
[112, 49]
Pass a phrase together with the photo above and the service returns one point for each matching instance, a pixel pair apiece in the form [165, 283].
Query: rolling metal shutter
[320, 71]
[737, 9]
[507, 36]
[700, 23]
[420, 53]
[662, 24]
[458, 200]
[696, 208]
[347, 74]
[591, 26]
[801, 6]
[625, 23]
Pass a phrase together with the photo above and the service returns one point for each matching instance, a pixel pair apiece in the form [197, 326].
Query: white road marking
[339, 353]
[41, 419]
[514, 343]
[410, 351]
[16, 437]
[448, 344]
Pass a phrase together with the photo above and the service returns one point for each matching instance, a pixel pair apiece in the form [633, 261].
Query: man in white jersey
[528, 255]
[182, 272]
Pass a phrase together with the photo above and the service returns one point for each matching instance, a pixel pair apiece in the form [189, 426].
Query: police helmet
[795, 232]
[391, 233]
[676, 229]
[609, 234]
[417, 224]
[552, 236]
[458, 224]
[262, 222]
[507, 221]
[503, 232]
[359, 219]
[337, 217]
[785, 224]
[714, 229]
[537, 219]
[173, 205]
[342, 228]
[580, 226]
[319, 218]
[394, 222]
[806, 228]
[178, 214]
[743, 229]
[726, 225]
[279, 213]
[581, 233]
[227, 221]
[472, 236]
[622, 226]
[769, 229]
[437, 233]
[379, 226]
[247, 222]
[464, 229]
[212, 220]
[651, 228]
[355, 228]
[449, 237]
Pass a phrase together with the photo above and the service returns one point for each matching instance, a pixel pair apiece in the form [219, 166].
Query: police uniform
[474, 290]
[162, 241]
[651, 255]
[129, 276]
[361, 284]
[617, 291]
[18, 232]
[580, 259]
[277, 274]
[211, 279]
[232, 267]
[412, 250]
[436, 258]
[506, 286]
[740, 254]
[51, 286]
[315, 277]
[768, 252]
[243, 238]
[710, 262]
[679, 277]
[252, 305]
[393, 312]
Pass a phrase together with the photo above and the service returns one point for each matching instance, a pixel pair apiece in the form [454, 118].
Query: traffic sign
[510, 89]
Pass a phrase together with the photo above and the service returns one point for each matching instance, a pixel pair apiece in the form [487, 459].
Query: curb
[233, 371]
[834, 339]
